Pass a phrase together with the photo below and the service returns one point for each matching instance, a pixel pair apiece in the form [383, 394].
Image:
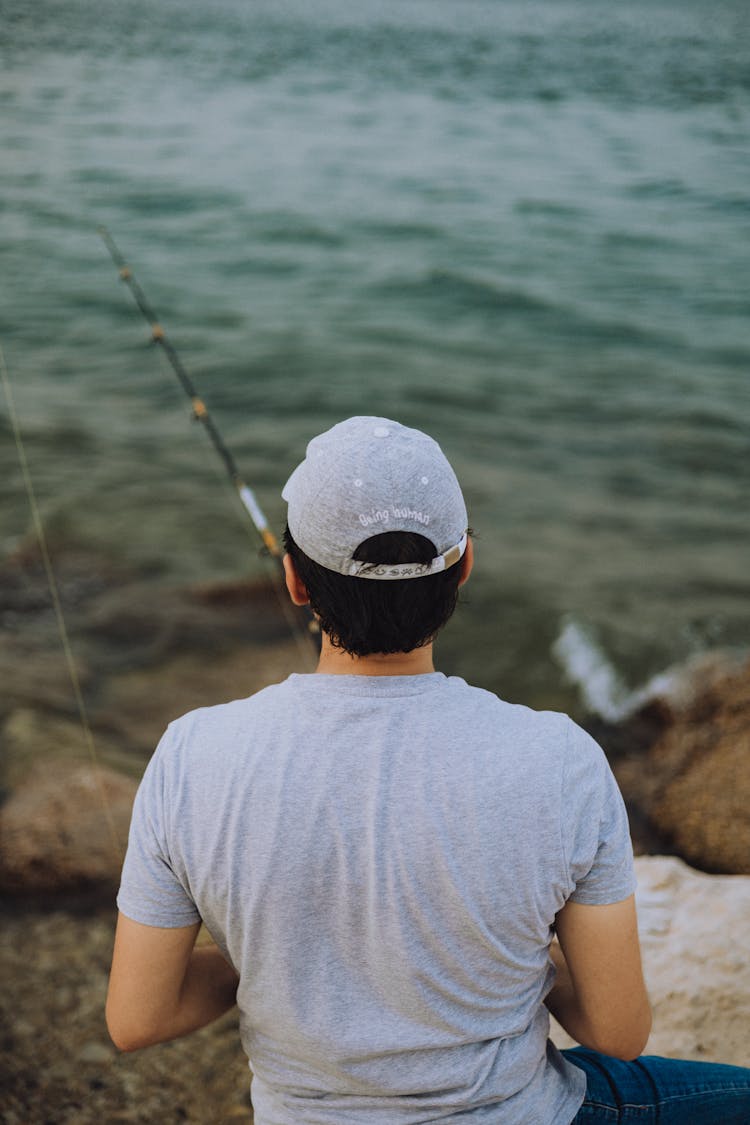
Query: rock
[146, 626]
[65, 828]
[688, 789]
[693, 931]
[97, 1053]
[30, 735]
[705, 806]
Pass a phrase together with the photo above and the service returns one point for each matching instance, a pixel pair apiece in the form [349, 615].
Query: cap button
[381, 431]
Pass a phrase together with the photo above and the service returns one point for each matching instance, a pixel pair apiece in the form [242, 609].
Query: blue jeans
[655, 1091]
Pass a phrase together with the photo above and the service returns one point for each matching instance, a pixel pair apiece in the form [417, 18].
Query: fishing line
[305, 639]
[57, 604]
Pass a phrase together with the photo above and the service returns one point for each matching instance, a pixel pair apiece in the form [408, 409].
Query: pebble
[93, 1052]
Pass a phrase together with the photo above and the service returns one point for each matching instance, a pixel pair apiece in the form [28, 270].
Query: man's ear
[467, 562]
[294, 584]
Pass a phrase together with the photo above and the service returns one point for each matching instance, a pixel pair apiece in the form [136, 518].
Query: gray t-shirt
[381, 859]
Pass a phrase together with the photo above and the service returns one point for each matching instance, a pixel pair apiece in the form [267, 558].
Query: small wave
[550, 208]
[399, 231]
[289, 228]
[157, 199]
[666, 188]
[463, 291]
[604, 692]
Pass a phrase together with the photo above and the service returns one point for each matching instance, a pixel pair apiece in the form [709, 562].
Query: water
[522, 227]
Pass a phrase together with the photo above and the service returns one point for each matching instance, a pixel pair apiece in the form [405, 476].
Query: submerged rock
[29, 737]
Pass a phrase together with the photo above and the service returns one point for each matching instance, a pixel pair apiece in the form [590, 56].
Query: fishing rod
[200, 410]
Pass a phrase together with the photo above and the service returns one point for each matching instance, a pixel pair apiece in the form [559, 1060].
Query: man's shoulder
[517, 713]
[228, 716]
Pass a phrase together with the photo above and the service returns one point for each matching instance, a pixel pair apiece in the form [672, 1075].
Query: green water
[521, 227]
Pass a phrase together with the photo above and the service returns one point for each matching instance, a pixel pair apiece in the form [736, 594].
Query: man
[403, 874]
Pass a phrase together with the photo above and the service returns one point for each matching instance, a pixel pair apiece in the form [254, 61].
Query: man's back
[382, 859]
[384, 856]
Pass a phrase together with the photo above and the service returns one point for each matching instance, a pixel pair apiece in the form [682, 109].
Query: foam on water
[604, 692]
[586, 666]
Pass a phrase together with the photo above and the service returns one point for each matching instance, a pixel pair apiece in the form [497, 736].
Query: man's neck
[334, 661]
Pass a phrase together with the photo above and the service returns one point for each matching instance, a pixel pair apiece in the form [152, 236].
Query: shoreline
[150, 655]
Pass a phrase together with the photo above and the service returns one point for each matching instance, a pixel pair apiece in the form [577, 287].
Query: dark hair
[363, 616]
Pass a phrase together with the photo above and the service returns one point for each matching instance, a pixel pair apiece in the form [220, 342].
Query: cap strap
[389, 571]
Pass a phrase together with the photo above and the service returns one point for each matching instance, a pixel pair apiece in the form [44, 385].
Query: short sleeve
[596, 834]
[150, 891]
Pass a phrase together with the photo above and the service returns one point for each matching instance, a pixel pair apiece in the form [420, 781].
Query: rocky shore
[145, 657]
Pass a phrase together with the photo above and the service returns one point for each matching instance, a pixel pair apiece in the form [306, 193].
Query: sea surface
[521, 226]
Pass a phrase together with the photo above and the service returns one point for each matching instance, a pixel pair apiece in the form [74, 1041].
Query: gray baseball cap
[369, 475]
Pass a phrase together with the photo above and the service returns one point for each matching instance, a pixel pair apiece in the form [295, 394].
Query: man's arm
[161, 986]
[599, 995]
